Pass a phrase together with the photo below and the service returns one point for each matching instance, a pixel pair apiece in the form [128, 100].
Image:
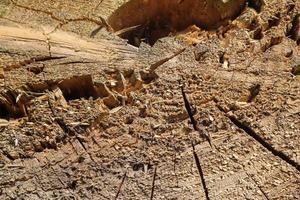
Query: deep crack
[247, 129]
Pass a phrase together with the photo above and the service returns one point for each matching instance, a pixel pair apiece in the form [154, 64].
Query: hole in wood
[258, 34]
[147, 21]
[4, 113]
[12, 105]
[77, 87]
[256, 4]
[274, 20]
[294, 31]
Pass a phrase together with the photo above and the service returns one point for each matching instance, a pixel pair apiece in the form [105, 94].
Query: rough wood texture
[62, 44]
[96, 118]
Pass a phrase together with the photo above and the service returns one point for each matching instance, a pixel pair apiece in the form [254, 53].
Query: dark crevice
[254, 24]
[256, 136]
[46, 58]
[13, 105]
[47, 145]
[222, 58]
[257, 5]
[32, 60]
[296, 70]
[72, 185]
[274, 20]
[254, 91]
[153, 184]
[191, 113]
[148, 33]
[67, 131]
[4, 113]
[198, 164]
[36, 69]
[141, 166]
[95, 31]
[272, 42]
[81, 142]
[72, 88]
[290, 6]
[76, 62]
[294, 31]
[147, 21]
[120, 186]
[265, 144]
[258, 33]
[77, 87]
[7, 155]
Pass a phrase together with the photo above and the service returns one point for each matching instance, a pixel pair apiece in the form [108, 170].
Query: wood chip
[3, 123]
[1, 73]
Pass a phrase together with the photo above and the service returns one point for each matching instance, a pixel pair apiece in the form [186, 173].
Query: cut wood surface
[63, 44]
[98, 118]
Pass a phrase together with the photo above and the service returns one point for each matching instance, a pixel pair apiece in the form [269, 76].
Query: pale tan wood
[60, 43]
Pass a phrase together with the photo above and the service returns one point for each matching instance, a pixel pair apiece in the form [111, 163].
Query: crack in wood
[196, 128]
[31, 60]
[98, 4]
[120, 186]
[259, 187]
[95, 31]
[198, 164]
[155, 65]
[254, 91]
[101, 24]
[6, 154]
[37, 10]
[153, 184]
[191, 113]
[68, 131]
[63, 21]
[77, 62]
[81, 143]
[174, 168]
[60, 122]
[256, 136]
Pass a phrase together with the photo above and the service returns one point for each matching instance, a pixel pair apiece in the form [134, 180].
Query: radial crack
[153, 184]
[247, 129]
[196, 128]
[120, 186]
[191, 115]
[198, 164]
